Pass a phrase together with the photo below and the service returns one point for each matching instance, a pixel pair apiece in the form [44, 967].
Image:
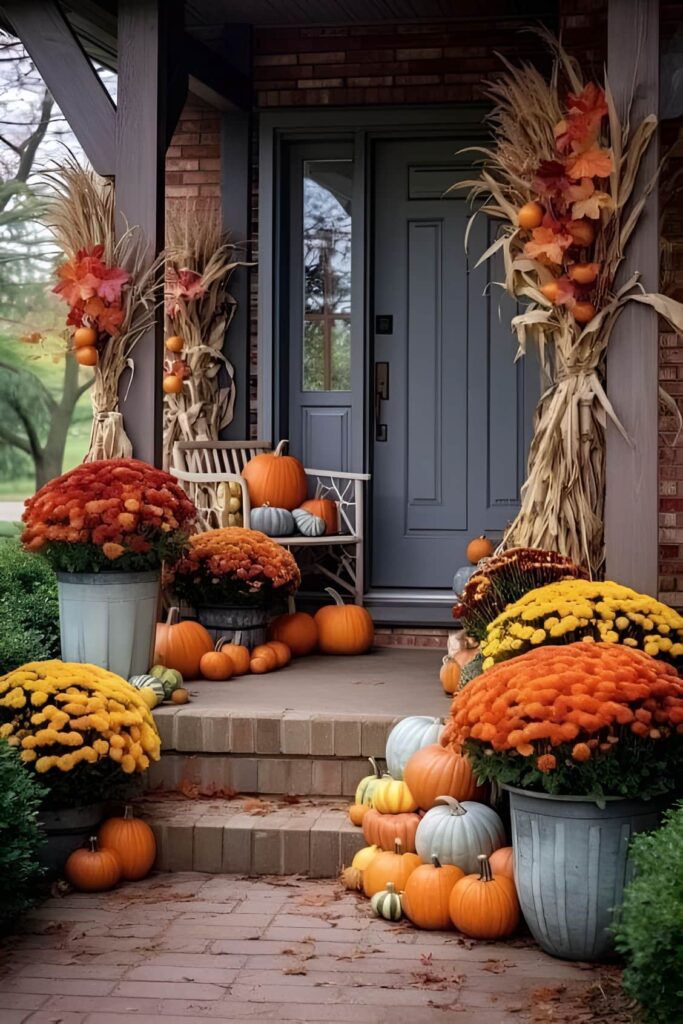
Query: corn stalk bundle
[80, 213]
[559, 144]
[199, 308]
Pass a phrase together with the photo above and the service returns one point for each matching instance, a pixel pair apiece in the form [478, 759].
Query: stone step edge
[316, 845]
[301, 776]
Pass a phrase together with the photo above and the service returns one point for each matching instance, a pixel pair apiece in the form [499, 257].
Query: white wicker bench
[204, 467]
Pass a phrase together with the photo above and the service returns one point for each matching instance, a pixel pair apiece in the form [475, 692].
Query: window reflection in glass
[327, 275]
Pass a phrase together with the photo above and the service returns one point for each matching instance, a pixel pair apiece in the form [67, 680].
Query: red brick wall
[193, 160]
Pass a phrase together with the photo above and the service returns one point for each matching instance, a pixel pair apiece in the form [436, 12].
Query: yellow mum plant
[86, 732]
[571, 610]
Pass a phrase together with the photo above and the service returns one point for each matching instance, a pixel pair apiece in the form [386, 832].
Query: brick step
[252, 836]
[306, 775]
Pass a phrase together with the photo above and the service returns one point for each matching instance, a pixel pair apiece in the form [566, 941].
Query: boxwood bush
[649, 932]
[29, 611]
[20, 837]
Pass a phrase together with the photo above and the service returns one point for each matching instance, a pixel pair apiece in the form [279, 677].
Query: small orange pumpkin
[530, 216]
[85, 337]
[239, 656]
[180, 645]
[357, 812]
[449, 674]
[132, 840]
[216, 665]
[436, 771]
[296, 629]
[583, 312]
[86, 356]
[427, 894]
[93, 870]
[395, 866]
[344, 628]
[384, 829]
[483, 906]
[325, 509]
[276, 479]
[265, 653]
[282, 652]
[502, 862]
[480, 547]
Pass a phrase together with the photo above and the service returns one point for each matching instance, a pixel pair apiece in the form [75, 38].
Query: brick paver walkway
[188, 947]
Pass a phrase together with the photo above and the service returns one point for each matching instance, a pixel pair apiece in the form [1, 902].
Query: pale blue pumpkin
[274, 522]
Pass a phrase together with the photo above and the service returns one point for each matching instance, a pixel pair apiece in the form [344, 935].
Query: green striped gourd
[387, 903]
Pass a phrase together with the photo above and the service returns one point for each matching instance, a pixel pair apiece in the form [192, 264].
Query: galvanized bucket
[571, 866]
[65, 830]
[109, 619]
[235, 624]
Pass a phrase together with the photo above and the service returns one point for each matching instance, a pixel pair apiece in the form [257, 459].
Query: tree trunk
[49, 462]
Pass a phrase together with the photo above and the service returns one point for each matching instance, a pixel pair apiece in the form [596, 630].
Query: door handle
[381, 395]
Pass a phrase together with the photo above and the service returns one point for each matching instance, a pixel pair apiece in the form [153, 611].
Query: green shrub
[649, 932]
[29, 611]
[20, 837]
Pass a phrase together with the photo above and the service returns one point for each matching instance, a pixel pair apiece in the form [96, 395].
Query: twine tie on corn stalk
[108, 439]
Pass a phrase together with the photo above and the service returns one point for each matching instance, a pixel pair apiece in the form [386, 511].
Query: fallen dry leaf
[254, 805]
[496, 966]
[298, 969]
[426, 959]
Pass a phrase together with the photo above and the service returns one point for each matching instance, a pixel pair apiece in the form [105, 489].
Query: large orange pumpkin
[395, 867]
[344, 628]
[276, 479]
[436, 771]
[132, 840]
[180, 645]
[483, 906]
[325, 509]
[384, 829]
[296, 629]
[93, 870]
[427, 894]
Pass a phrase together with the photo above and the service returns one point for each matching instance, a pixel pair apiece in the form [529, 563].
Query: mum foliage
[570, 610]
[116, 514]
[20, 837]
[503, 579]
[586, 719]
[235, 564]
[649, 931]
[83, 731]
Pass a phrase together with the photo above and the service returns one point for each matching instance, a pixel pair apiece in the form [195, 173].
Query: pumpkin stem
[128, 813]
[391, 887]
[93, 844]
[336, 597]
[173, 616]
[375, 767]
[280, 450]
[435, 861]
[454, 806]
[291, 605]
[485, 873]
[398, 846]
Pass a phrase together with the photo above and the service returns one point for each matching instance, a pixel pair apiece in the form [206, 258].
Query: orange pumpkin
[344, 628]
[239, 656]
[93, 870]
[180, 645]
[357, 812]
[86, 356]
[296, 629]
[584, 273]
[266, 653]
[427, 894]
[530, 216]
[325, 509]
[172, 384]
[276, 479]
[480, 547]
[85, 337]
[449, 674]
[133, 842]
[216, 665]
[436, 771]
[502, 862]
[282, 652]
[583, 312]
[483, 906]
[395, 866]
[384, 829]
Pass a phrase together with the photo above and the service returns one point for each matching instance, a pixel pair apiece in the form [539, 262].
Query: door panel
[457, 411]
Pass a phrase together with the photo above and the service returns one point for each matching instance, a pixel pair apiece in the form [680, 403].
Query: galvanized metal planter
[65, 830]
[571, 865]
[235, 624]
[109, 619]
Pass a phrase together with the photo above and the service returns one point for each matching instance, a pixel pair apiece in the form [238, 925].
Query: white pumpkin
[407, 736]
[275, 522]
[457, 833]
[308, 524]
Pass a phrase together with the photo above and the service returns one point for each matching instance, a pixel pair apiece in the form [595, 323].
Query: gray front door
[452, 409]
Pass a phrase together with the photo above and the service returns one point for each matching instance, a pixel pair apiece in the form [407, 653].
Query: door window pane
[327, 275]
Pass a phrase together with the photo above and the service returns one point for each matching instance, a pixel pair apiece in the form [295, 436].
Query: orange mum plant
[589, 718]
[117, 514]
[234, 565]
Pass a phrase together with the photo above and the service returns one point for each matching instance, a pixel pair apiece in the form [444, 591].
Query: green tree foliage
[29, 611]
[650, 929]
[20, 837]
